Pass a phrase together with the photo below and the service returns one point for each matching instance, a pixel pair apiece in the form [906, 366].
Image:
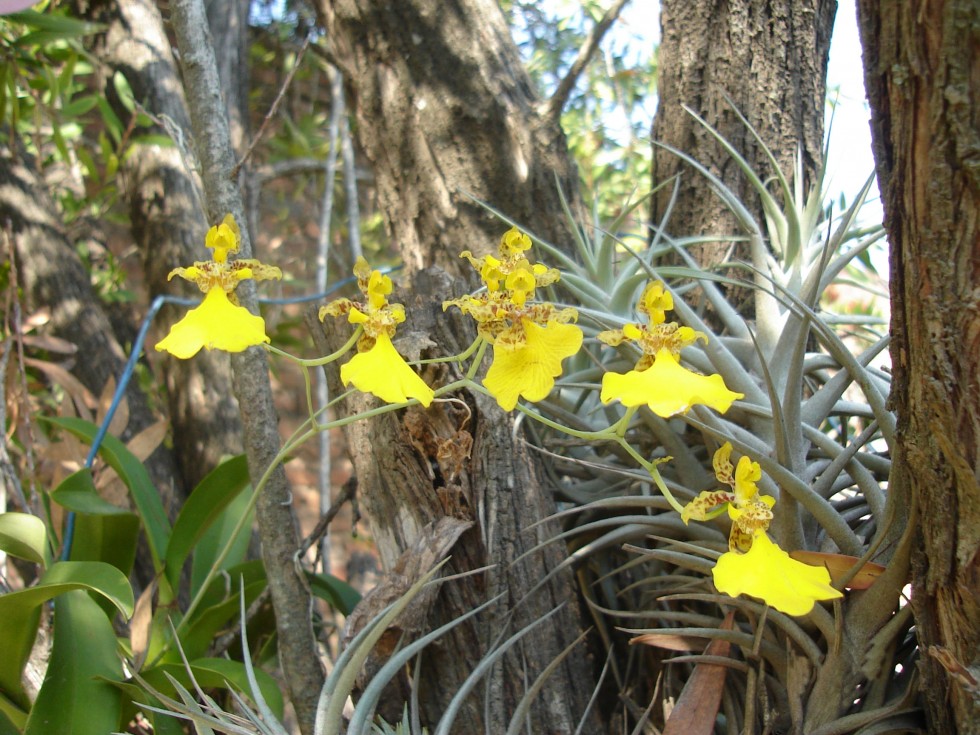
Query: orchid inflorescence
[530, 339]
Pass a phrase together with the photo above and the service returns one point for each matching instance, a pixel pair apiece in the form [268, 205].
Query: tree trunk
[769, 60]
[52, 275]
[444, 111]
[922, 73]
[406, 487]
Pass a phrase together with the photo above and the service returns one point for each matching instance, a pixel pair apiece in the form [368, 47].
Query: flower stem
[651, 468]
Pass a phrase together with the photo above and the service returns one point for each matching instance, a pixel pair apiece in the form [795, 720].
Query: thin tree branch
[272, 111]
[291, 596]
[554, 105]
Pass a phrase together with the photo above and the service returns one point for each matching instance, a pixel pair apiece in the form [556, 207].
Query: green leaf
[209, 621]
[20, 611]
[103, 531]
[341, 596]
[203, 508]
[24, 536]
[77, 492]
[77, 695]
[60, 25]
[107, 538]
[12, 717]
[79, 106]
[134, 474]
[124, 91]
[210, 546]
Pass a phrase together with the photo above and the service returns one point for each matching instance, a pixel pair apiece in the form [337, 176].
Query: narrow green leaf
[124, 91]
[213, 673]
[62, 25]
[24, 536]
[208, 622]
[79, 106]
[77, 696]
[203, 508]
[134, 474]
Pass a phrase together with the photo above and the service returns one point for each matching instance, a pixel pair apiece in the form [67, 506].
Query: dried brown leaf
[697, 707]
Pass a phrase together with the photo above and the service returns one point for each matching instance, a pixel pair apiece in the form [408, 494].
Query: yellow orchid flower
[769, 573]
[658, 380]
[529, 369]
[754, 564]
[219, 323]
[667, 388]
[377, 368]
[382, 372]
[529, 340]
[750, 512]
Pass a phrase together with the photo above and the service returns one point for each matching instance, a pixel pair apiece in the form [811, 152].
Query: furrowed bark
[922, 75]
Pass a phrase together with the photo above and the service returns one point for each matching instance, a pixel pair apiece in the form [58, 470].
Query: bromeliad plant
[814, 439]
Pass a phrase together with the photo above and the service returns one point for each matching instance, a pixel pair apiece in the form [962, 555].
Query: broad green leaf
[20, 610]
[202, 509]
[77, 492]
[107, 538]
[210, 546]
[103, 531]
[77, 696]
[134, 474]
[24, 536]
[341, 596]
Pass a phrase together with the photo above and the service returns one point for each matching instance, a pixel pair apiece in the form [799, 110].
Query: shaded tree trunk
[922, 73]
[769, 60]
[444, 110]
[52, 275]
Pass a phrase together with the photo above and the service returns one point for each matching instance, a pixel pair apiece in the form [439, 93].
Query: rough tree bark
[922, 74]
[444, 108]
[770, 60]
[53, 276]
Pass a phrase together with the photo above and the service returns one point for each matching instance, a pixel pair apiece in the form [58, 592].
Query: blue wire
[134, 356]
